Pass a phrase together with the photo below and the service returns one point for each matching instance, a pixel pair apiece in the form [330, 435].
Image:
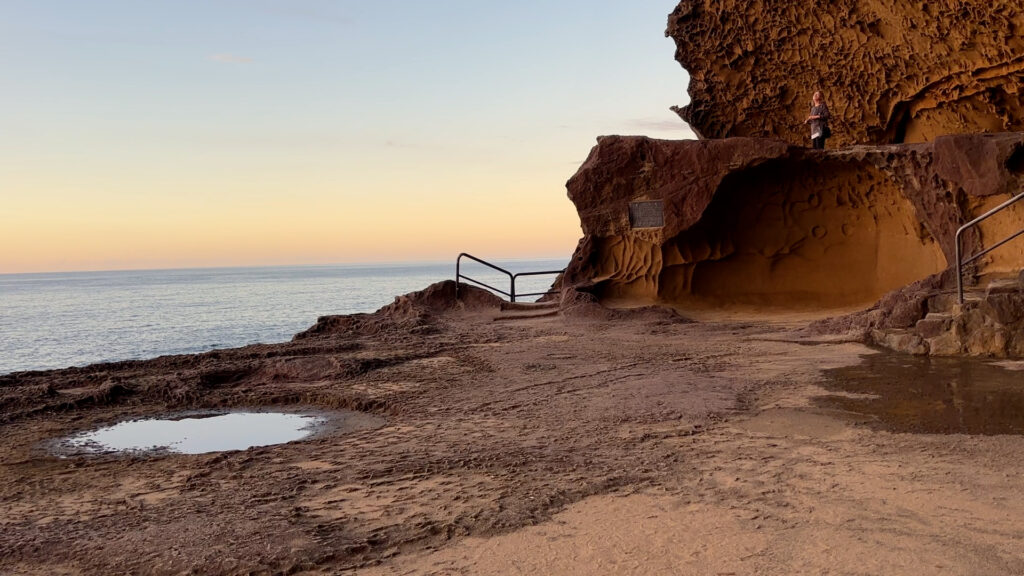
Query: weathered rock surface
[891, 70]
[411, 312]
[530, 443]
[925, 319]
[761, 222]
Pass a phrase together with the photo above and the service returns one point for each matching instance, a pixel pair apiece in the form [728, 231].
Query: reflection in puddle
[931, 395]
[199, 434]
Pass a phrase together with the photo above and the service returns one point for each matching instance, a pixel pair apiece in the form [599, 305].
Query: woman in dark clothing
[818, 119]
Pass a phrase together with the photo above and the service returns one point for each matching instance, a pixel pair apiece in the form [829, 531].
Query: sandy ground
[642, 444]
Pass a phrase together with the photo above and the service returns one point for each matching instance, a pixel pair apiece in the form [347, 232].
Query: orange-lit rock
[891, 70]
[758, 222]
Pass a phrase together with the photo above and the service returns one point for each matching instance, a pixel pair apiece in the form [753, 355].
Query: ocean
[57, 320]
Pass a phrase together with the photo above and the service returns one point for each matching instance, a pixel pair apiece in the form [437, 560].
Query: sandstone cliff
[892, 70]
[927, 100]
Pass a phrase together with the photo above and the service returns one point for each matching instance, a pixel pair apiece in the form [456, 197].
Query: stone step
[934, 324]
[901, 340]
[1004, 286]
[971, 302]
[529, 306]
[946, 302]
[513, 315]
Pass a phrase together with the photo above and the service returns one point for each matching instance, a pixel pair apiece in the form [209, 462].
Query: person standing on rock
[818, 119]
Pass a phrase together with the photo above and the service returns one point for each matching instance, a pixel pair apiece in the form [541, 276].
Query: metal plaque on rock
[646, 214]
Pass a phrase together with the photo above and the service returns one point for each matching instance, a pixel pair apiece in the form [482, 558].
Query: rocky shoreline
[680, 408]
[510, 440]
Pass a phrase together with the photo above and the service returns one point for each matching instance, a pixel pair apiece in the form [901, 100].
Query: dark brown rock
[901, 341]
[1004, 308]
[932, 326]
[408, 312]
[981, 335]
[981, 165]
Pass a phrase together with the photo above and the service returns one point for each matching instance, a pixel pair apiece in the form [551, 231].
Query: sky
[144, 134]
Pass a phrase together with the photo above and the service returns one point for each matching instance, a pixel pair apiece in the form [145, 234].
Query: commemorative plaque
[646, 214]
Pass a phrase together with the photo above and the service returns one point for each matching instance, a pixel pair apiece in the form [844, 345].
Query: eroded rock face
[891, 70]
[923, 318]
[760, 222]
[413, 312]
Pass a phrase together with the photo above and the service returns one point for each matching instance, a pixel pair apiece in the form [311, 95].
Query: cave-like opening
[837, 234]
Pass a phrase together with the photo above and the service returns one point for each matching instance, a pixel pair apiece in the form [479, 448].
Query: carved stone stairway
[990, 322]
[511, 311]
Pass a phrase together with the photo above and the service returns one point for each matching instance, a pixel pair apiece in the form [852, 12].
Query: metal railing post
[960, 262]
[541, 273]
[511, 278]
[959, 268]
[458, 275]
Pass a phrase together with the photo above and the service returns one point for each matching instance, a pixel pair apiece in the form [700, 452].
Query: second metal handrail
[960, 262]
[511, 294]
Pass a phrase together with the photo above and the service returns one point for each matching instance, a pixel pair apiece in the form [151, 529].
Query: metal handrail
[511, 294]
[960, 262]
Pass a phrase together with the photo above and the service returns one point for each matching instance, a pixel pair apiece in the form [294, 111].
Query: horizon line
[364, 264]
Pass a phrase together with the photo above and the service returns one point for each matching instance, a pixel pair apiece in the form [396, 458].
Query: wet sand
[643, 444]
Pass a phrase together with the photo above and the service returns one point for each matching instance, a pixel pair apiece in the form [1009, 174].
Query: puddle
[211, 432]
[930, 395]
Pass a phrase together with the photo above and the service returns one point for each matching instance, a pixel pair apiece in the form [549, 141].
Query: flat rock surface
[644, 444]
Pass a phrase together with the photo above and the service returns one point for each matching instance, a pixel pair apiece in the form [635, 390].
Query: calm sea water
[73, 319]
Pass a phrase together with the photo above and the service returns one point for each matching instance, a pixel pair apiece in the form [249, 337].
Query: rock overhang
[759, 221]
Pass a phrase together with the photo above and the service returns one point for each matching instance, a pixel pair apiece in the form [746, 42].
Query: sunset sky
[188, 133]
